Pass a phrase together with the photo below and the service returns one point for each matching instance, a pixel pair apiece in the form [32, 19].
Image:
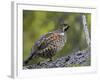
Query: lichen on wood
[80, 58]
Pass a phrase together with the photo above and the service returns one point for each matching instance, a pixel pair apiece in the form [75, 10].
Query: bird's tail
[29, 58]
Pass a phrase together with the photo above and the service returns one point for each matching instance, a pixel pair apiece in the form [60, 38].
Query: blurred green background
[38, 23]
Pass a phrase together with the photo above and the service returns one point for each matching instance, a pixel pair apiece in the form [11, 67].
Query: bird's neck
[62, 33]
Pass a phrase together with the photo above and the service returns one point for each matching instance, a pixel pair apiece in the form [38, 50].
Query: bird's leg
[39, 63]
[48, 60]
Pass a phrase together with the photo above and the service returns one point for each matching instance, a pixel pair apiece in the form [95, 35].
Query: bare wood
[85, 28]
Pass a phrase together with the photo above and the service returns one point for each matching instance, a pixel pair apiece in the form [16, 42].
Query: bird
[49, 44]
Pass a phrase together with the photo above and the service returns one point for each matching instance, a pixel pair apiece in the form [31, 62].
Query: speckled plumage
[49, 44]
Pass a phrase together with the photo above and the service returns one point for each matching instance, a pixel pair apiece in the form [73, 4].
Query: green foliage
[38, 23]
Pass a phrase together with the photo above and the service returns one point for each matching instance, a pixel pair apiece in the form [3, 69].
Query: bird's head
[64, 27]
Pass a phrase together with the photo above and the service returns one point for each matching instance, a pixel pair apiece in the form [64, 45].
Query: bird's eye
[65, 29]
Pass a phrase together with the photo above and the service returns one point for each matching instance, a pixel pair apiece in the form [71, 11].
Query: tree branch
[80, 58]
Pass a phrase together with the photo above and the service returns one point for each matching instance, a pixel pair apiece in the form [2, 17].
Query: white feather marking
[62, 34]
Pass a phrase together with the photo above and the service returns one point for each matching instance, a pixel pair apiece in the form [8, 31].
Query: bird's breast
[51, 44]
[57, 40]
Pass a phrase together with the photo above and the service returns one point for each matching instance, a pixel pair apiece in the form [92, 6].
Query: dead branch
[85, 28]
[80, 58]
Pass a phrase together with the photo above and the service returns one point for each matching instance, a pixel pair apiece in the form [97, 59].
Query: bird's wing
[42, 43]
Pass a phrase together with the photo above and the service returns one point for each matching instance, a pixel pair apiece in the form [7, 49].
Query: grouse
[49, 44]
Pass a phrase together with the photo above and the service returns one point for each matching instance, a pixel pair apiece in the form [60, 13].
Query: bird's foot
[47, 61]
[50, 60]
